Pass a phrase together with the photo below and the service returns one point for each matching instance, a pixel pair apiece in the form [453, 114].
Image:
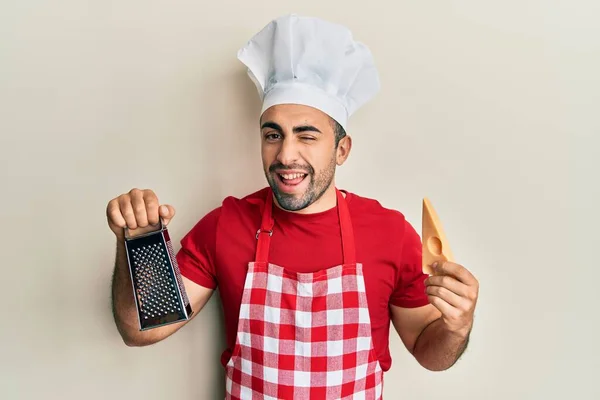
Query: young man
[310, 276]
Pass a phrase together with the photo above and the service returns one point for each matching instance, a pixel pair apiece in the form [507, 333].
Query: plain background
[490, 109]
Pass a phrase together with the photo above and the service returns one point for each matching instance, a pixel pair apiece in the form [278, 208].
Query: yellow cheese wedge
[435, 244]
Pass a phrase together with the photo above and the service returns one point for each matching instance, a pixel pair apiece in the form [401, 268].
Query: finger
[456, 270]
[445, 308]
[139, 207]
[151, 204]
[448, 296]
[450, 283]
[113, 212]
[127, 211]
[167, 212]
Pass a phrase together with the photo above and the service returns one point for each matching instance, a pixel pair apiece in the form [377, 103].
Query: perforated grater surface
[158, 289]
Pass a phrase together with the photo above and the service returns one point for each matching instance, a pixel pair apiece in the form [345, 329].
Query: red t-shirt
[217, 250]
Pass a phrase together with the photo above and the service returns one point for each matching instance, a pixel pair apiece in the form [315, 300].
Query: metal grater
[159, 292]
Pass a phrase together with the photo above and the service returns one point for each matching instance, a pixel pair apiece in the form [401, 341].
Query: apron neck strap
[263, 235]
[348, 247]
[266, 230]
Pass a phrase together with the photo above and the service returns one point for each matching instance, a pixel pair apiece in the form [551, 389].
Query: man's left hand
[454, 291]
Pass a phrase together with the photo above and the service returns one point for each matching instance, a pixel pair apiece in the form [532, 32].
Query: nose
[288, 152]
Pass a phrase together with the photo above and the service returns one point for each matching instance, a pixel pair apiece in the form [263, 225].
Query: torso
[307, 243]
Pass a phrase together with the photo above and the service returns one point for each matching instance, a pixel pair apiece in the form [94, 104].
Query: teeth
[292, 176]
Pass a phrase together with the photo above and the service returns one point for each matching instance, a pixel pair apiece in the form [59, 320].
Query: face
[299, 154]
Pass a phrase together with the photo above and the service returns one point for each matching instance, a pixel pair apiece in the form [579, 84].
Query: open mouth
[291, 180]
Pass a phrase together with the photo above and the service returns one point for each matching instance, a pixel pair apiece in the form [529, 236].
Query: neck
[326, 202]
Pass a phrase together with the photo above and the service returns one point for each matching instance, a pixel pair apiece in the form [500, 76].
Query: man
[310, 275]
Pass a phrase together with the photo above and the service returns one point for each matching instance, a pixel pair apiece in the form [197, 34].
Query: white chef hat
[309, 61]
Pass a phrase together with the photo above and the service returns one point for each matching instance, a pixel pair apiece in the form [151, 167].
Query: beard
[317, 185]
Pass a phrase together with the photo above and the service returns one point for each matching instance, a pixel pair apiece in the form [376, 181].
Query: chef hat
[309, 61]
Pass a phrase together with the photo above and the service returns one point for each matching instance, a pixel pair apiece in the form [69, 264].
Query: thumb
[167, 212]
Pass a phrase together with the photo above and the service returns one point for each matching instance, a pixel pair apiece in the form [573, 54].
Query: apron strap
[348, 247]
[263, 235]
[266, 230]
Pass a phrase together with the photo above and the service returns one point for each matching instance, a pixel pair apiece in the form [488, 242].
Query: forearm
[124, 308]
[437, 348]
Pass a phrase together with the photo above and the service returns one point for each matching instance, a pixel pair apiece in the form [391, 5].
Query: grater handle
[128, 237]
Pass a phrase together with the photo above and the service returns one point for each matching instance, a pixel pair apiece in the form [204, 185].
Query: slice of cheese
[435, 244]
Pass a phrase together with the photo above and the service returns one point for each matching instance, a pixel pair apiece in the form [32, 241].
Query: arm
[139, 211]
[424, 334]
[437, 334]
[124, 309]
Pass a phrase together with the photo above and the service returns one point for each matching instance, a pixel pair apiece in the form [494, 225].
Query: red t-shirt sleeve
[196, 257]
[410, 287]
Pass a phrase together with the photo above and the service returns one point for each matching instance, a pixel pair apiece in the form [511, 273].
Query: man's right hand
[139, 211]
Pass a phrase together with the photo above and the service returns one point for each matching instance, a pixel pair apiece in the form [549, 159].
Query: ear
[343, 150]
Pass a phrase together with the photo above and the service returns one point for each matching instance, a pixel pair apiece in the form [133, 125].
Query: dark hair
[338, 131]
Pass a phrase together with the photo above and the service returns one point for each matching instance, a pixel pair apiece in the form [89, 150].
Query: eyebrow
[297, 129]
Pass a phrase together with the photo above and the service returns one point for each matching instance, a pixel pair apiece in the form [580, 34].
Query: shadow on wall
[207, 327]
[227, 143]
[228, 161]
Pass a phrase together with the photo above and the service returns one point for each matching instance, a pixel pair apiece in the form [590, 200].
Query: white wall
[488, 108]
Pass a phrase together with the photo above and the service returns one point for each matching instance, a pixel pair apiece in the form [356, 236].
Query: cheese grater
[158, 290]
